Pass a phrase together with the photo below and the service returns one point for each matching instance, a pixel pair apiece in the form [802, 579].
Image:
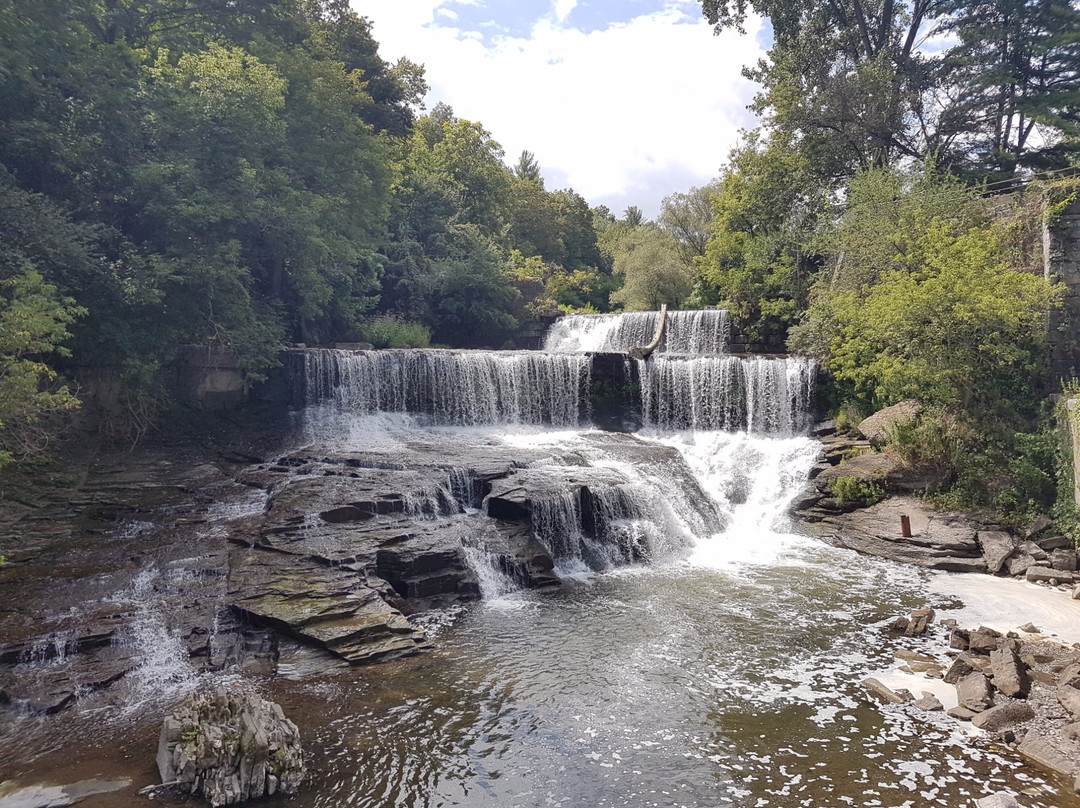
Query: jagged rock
[877, 426]
[1039, 524]
[973, 691]
[984, 640]
[228, 745]
[1029, 628]
[885, 693]
[920, 621]
[1069, 676]
[1063, 560]
[1070, 699]
[961, 667]
[1034, 550]
[1002, 799]
[1003, 715]
[959, 638]
[1010, 674]
[929, 702]
[997, 546]
[1019, 564]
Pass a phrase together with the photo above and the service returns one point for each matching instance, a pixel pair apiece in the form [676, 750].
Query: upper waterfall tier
[453, 387]
[687, 332]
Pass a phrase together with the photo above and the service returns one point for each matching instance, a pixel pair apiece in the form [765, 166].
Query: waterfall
[467, 388]
[763, 395]
[687, 332]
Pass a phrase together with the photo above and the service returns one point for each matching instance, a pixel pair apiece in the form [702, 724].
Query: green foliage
[34, 323]
[922, 303]
[384, 331]
[472, 298]
[647, 259]
[852, 489]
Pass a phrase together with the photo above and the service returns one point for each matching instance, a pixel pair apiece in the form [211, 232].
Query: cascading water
[687, 332]
[467, 388]
[763, 395]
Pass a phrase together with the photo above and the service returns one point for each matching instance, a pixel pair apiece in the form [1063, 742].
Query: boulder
[997, 546]
[877, 426]
[1019, 564]
[1069, 676]
[1070, 699]
[228, 744]
[1038, 525]
[961, 667]
[1034, 550]
[1063, 560]
[973, 692]
[929, 702]
[961, 713]
[1010, 674]
[1047, 575]
[984, 640]
[920, 621]
[1003, 715]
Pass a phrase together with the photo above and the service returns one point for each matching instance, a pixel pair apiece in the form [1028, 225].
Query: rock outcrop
[228, 745]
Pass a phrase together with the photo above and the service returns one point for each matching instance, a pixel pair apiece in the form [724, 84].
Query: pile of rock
[1024, 691]
[228, 744]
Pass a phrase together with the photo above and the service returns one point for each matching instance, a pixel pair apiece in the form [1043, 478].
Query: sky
[625, 101]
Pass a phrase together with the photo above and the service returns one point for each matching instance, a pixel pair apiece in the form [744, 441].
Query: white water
[686, 332]
[451, 387]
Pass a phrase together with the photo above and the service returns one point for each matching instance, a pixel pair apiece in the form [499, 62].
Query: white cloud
[563, 9]
[625, 115]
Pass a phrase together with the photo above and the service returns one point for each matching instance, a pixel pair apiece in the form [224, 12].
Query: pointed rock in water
[1003, 799]
[885, 693]
[228, 744]
[929, 702]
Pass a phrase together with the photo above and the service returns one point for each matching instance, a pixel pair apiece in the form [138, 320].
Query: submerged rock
[228, 744]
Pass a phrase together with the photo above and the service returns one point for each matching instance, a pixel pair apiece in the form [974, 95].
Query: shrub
[852, 489]
[386, 331]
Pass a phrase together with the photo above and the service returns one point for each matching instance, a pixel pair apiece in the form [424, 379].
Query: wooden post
[905, 526]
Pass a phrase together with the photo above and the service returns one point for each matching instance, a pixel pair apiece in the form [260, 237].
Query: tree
[688, 216]
[528, 169]
[647, 259]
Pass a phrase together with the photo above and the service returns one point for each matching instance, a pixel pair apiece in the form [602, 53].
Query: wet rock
[997, 546]
[228, 745]
[920, 621]
[1029, 628]
[1002, 799]
[1010, 674]
[1047, 575]
[884, 693]
[929, 702]
[877, 427]
[961, 713]
[1049, 751]
[974, 692]
[13, 795]
[1005, 715]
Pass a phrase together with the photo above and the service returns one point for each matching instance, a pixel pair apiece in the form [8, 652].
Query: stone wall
[1061, 262]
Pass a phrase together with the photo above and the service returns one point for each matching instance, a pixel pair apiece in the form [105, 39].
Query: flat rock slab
[1010, 674]
[12, 795]
[942, 541]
